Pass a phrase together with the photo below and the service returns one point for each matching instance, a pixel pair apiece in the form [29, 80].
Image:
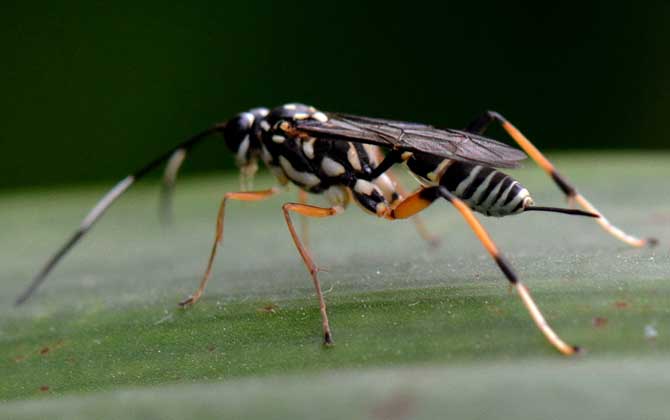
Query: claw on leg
[312, 211]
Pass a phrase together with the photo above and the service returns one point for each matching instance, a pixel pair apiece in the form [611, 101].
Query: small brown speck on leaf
[270, 308]
[398, 406]
[620, 304]
[599, 322]
[660, 218]
[45, 350]
[44, 388]
[19, 358]
[211, 348]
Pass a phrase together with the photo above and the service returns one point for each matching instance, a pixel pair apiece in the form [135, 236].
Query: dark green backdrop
[92, 90]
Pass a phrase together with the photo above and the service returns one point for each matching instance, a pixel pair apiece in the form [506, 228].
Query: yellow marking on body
[381, 209]
[300, 116]
[373, 152]
[353, 158]
[308, 147]
[386, 185]
[364, 187]
[338, 195]
[332, 168]
[440, 170]
[305, 178]
[406, 155]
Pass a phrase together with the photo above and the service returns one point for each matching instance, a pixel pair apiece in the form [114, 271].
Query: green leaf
[419, 332]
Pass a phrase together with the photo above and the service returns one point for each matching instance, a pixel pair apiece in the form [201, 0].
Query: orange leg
[304, 221]
[238, 196]
[311, 211]
[570, 191]
[419, 224]
[425, 196]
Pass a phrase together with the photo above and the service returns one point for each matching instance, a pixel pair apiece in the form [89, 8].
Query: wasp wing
[413, 137]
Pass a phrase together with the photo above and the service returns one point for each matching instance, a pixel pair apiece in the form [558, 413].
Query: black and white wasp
[349, 158]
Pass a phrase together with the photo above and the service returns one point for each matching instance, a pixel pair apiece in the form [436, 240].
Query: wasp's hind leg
[384, 178]
[238, 196]
[312, 211]
[424, 197]
[482, 123]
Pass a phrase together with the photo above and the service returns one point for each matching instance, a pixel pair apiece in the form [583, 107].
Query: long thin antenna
[105, 202]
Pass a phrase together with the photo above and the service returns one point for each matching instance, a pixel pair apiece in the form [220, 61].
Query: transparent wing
[446, 143]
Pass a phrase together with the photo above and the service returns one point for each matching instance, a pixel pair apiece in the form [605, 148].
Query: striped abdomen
[485, 189]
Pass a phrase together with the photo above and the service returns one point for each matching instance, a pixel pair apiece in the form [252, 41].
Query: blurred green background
[92, 90]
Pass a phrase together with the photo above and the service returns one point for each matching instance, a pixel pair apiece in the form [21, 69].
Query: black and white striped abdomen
[485, 189]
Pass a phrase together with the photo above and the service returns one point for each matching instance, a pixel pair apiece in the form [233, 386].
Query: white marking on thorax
[265, 125]
[320, 116]
[467, 181]
[331, 168]
[304, 178]
[373, 152]
[249, 117]
[308, 147]
[352, 157]
[261, 111]
[290, 107]
[277, 138]
[364, 187]
[300, 116]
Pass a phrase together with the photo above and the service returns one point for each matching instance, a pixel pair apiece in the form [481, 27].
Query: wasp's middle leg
[480, 125]
[419, 223]
[312, 211]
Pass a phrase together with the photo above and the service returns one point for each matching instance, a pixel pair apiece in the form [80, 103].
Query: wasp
[350, 158]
